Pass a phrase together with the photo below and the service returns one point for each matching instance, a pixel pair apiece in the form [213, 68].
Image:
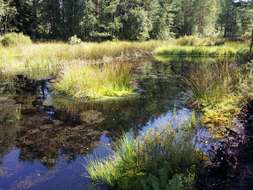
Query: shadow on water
[48, 147]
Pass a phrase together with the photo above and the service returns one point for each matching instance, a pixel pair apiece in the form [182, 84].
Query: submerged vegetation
[154, 160]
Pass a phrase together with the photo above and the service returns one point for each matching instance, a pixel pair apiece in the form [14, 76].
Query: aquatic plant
[196, 51]
[44, 59]
[215, 92]
[245, 81]
[196, 41]
[93, 82]
[154, 160]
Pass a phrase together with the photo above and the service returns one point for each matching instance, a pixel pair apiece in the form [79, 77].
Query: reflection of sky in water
[67, 175]
[203, 140]
[161, 90]
[175, 119]
[71, 175]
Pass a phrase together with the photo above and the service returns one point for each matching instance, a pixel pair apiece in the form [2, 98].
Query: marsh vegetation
[128, 95]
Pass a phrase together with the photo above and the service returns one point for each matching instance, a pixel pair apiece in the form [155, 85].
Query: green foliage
[162, 18]
[196, 41]
[13, 39]
[7, 14]
[40, 60]
[245, 86]
[219, 90]
[228, 18]
[110, 80]
[198, 51]
[138, 24]
[155, 160]
[120, 19]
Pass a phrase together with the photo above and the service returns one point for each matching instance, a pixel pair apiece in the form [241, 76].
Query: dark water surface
[51, 144]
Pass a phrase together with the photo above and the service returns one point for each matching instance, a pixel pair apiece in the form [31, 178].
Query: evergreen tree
[136, 23]
[7, 15]
[162, 19]
[228, 18]
[89, 20]
[72, 14]
[184, 17]
[52, 19]
[205, 16]
[126, 19]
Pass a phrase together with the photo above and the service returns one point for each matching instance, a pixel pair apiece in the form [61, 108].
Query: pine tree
[52, 20]
[7, 15]
[205, 16]
[162, 19]
[228, 18]
[184, 17]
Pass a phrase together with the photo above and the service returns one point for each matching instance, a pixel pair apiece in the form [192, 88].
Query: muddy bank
[231, 165]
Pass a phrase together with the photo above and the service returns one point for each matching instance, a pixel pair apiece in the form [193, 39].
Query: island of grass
[157, 158]
[110, 80]
[228, 50]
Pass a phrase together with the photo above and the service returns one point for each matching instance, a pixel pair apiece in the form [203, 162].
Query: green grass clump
[13, 39]
[96, 82]
[216, 92]
[196, 51]
[196, 41]
[44, 59]
[155, 160]
[245, 81]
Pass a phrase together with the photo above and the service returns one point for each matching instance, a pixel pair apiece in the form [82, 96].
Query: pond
[46, 142]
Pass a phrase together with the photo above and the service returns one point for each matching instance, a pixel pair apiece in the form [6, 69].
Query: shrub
[155, 160]
[74, 40]
[13, 39]
[188, 41]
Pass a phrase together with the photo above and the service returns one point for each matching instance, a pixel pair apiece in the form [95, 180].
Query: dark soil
[231, 162]
[243, 178]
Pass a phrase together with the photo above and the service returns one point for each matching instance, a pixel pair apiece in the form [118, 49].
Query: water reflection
[50, 145]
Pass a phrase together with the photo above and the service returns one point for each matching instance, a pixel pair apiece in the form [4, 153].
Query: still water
[49, 147]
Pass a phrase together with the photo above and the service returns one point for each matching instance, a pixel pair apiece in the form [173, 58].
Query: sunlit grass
[92, 81]
[196, 51]
[155, 159]
[197, 41]
[217, 92]
[45, 59]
